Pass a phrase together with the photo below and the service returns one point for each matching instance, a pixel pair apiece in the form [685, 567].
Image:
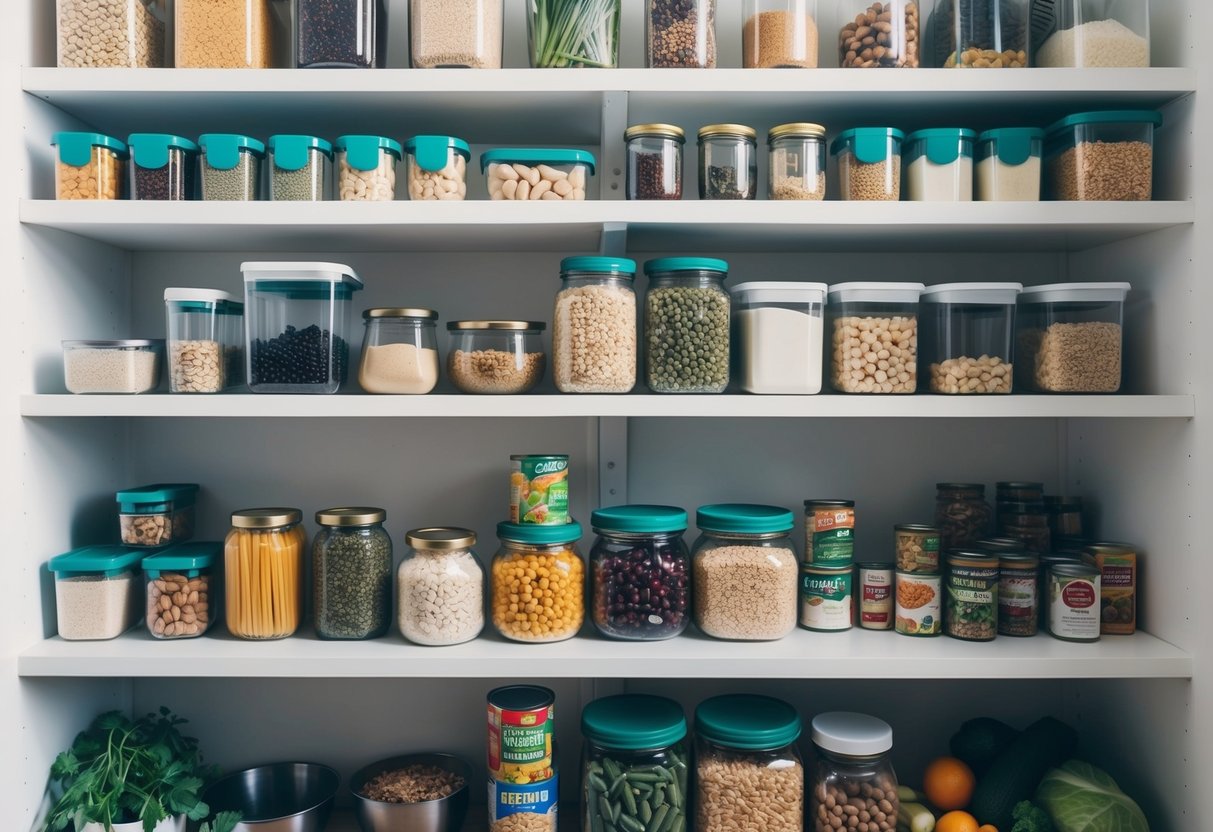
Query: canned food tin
[971, 610]
[521, 718]
[829, 532]
[875, 596]
[539, 489]
[917, 547]
[825, 598]
[1042, 582]
[918, 604]
[529, 807]
[1017, 594]
[1074, 602]
[1117, 587]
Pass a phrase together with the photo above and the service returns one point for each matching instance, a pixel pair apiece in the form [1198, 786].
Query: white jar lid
[856, 735]
[991, 293]
[1091, 292]
[200, 295]
[774, 291]
[875, 292]
[290, 270]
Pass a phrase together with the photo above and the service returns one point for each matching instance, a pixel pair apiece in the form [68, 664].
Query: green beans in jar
[352, 573]
[687, 325]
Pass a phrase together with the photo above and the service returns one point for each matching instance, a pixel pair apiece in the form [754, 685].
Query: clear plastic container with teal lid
[97, 591]
[437, 167]
[296, 325]
[163, 166]
[366, 168]
[594, 334]
[874, 337]
[634, 736]
[869, 163]
[1105, 155]
[1070, 336]
[231, 167]
[522, 609]
[88, 166]
[779, 330]
[1091, 33]
[203, 329]
[1009, 164]
[301, 168]
[537, 173]
[939, 164]
[748, 769]
[152, 516]
[686, 325]
[181, 584]
[968, 334]
[853, 769]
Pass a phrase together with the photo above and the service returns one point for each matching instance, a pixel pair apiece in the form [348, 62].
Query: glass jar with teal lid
[748, 770]
[181, 584]
[1103, 155]
[745, 572]
[163, 166]
[437, 167]
[230, 167]
[537, 173]
[939, 164]
[686, 323]
[634, 765]
[538, 582]
[869, 163]
[301, 168]
[594, 326]
[366, 168]
[1009, 164]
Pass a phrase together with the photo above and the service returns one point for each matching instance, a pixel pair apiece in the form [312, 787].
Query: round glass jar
[501, 357]
[961, 513]
[1027, 521]
[440, 587]
[654, 161]
[728, 162]
[538, 582]
[746, 574]
[686, 324]
[594, 326]
[853, 770]
[640, 572]
[263, 572]
[630, 740]
[748, 770]
[399, 351]
[352, 574]
[797, 162]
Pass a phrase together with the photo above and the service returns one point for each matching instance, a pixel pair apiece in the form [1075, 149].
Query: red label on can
[1078, 594]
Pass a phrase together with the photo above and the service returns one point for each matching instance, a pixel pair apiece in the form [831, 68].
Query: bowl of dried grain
[413, 792]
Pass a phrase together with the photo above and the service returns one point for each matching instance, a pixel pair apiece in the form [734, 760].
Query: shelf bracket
[612, 460]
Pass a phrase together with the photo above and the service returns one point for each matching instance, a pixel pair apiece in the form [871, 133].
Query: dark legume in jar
[341, 33]
[642, 592]
[299, 356]
[682, 33]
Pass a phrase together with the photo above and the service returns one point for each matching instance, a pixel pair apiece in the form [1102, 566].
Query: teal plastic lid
[747, 721]
[639, 519]
[869, 144]
[537, 156]
[433, 152]
[222, 150]
[150, 150]
[662, 265]
[744, 518]
[362, 152]
[541, 535]
[184, 557]
[633, 722]
[76, 149]
[108, 560]
[1107, 117]
[292, 152]
[941, 145]
[621, 266]
[1013, 145]
[136, 500]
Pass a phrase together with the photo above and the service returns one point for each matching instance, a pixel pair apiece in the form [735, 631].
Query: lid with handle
[941, 145]
[433, 153]
[363, 152]
[1012, 145]
[1070, 292]
[222, 150]
[189, 557]
[151, 150]
[869, 145]
[294, 152]
[161, 496]
[76, 149]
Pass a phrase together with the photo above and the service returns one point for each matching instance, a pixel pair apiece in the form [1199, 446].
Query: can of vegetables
[539, 489]
[971, 600]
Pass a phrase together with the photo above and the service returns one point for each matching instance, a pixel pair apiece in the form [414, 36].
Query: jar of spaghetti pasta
[263, 565]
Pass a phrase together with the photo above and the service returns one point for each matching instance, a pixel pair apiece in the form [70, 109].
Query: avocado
[979, 741]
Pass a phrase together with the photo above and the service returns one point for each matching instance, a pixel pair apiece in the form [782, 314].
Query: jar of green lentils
[352, 573]
[686, 322]
[231, 167]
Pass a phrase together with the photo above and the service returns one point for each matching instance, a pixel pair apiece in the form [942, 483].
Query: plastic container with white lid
[852, 764]
[205, 339]
[1008, 164]
[96, 592]
[1070, 337]
[1101, 156]
[874, 337]
[939, 164]
[112, 366]
[780, 335]
[967, 336]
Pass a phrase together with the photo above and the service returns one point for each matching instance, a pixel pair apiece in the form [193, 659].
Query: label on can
[1017, 602]
[523, 808]
[1118, 591]
[875, 597]
[1074, 607]
[539, 489]
[829, 533]
[972, 602]
[520, 739]
[825, 598]
[917, 548]
[918, 604]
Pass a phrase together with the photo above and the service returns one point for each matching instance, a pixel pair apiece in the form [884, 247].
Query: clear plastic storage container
[97, 591]
[869, 163]
[686, 325]
[874, 337]
[352, 574]
[296, 324]
[728, 162]
[465, 34]
[224, 34]
[654, 161]
[153, 516]
[968, 333]
[263, 573]
[1069, 337]
[504, 357]
[853, 771]
[885, 33]
[437, 167]
[978, 34]
[440, 587]
[594, 326]
[779, 34]
[1107, 155]
[780, 335]
[939, 164]
[110, 33]
[1085, 33]
[231, 167]
[181, 584]
[796, 162]
[537, 173]
[204, 339]
[680, 33]
[366, 168]
[349, 33]
[301, 168]
[88, 166]
[1009, 164]
[574, 33]
[122, 366]
[162, 166]
[399, 351]
[523, 609]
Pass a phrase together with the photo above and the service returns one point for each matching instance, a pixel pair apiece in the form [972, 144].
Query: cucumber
[1016, 772]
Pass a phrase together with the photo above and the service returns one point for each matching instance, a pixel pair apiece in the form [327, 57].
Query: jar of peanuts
[180, 595]
[538, 582]
[853, 775]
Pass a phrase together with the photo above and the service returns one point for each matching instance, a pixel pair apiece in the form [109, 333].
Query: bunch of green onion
[574, 33]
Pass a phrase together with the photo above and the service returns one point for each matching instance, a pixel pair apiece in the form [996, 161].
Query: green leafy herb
[575, 33]
[224, 822]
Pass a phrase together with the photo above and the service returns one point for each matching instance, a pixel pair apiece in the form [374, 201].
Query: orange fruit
[987, 827]
[957, 822]
[948, 783]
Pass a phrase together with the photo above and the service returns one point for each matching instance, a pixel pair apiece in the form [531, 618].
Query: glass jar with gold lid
[263, 570]
[503, 357]
[352, 573]
[797, 155]
[440, 587]
[728, 162]
[654, 161]
[399, 351]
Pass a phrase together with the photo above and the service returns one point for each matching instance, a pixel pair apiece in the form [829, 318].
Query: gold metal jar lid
[796, 129]
[664, 131]
[508, 326]
[401, 312]
[265, 518]
[351, 516]
[736, 130]
[440, 538]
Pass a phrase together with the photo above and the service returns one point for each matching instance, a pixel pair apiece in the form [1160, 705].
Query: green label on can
[829, 535]
[539, 490]
[825, 598]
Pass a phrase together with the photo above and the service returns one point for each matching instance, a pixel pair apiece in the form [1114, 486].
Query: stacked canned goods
[827, 575]
[918, 606]
[522, 780]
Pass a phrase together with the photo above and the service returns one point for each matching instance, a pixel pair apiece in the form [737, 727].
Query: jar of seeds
[686, 322]
[231, 167]
[352, 573]
[797, 162]
[301, 168]
[728, 162]
[594, 326]
[681, 33]
[654, 161]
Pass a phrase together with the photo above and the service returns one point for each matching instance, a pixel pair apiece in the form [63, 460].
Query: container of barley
[962, 514]
[464, 34]
[163, 166]
[918, 610]
[181, 583]
[350, 34]
[874, 345]
[154, 516]
[301, 168]
[1117, 564]
[263, 573]
[110, 33]
[231, 167]
[1009, 164]
[853, 773]
[97, 593]
[399, 351]
[971, 608]
[869, 163]
[939, 164]
[780, 34]
[496, 357]
[686, 324]
[875, 601]
[351, 574]
[88, 166]
[745, 572]
[224, 34]
[1069, 337]
[968, 331]
[654, 161]
[1106, 155]
[780, 330]
[1018, 593]
[748, 770]
[728, 162]
[103, 366]
[796, 160]
[594, 338]
[521, 725]
[882, 34]
[521, 174]
[538, 582]
[366, 168]
[437, 167]
[826, 603]
[198, 329]
[829, 532]
[440, 587]
[680, 33]
[916, 547]
[977, 34]
[1072, 33]
[1074, 602]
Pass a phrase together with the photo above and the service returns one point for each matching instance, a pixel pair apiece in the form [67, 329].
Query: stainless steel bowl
[443, 815]
[280, 797]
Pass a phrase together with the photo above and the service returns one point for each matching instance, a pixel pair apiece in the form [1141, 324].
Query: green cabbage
[1081, 798]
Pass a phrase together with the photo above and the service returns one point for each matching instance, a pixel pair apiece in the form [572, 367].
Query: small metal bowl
[446, 814]
[280, 797]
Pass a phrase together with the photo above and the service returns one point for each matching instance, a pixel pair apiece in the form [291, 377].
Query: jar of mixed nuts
[686, 323]
[538, 582]
[917, 547]
[440, 587]
[654, 161]
[594, 326]
[961, 513]
[352, 574]
[971, 605]
[1017, 594]
[853, 771]
[1028, 522]
[728, 162]
[797, 162]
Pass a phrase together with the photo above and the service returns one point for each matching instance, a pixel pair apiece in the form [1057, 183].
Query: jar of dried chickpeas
[538, 582]
[263, 568]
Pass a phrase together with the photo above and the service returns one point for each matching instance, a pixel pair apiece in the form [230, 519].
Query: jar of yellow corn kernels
[538, 582]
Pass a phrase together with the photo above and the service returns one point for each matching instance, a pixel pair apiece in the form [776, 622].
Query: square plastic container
[224, 34]
[1009, 164]
[301, 168]
[201, 326]
[163, 167]
[465, 35]
[1070, 337]
[124, 366]
[97, 591]
[366, 168]
[88, 166]
[519, 173]
[437, 167]
[351, 34]
[297, 323]
[109, 33]
[869, 163]
[182, 584]
[1105, 155]
[780, 336]
[939, 165]
[231, 167]
[155, 516]
[968, 330]
[874, 342]
[1091, 33]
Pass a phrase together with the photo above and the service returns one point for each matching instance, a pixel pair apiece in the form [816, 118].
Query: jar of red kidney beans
[640, 572]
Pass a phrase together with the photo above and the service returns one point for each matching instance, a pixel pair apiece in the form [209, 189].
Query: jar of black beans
[341, 33]
[728, 162]
[654, 161]
[162, 166]
[639, 572]
[352, 574]
[686, 325]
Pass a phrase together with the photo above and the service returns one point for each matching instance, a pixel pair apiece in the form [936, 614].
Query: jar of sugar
[1008, 164]
[780, 334]
[939, 164]
[1073, 33]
